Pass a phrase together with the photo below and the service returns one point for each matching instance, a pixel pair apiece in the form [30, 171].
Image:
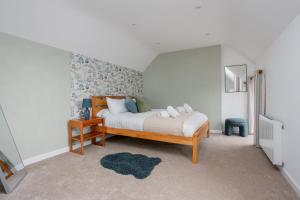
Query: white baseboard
[44, 156]
[291, 180]
[51, 154]
[216, 131]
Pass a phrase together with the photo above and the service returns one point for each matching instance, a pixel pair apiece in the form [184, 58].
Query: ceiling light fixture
[207, 34]
[198, 7]
[133, 24]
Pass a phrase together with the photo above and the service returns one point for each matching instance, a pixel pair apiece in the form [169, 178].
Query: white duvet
[135, 121]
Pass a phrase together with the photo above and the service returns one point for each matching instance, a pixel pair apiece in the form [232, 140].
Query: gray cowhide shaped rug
[140, 166]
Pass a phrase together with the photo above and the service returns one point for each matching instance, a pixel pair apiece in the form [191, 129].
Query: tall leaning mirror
[12, 169]
[236, 78]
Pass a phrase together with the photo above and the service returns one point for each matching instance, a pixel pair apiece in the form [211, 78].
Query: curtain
[257, 102]
[251, 106]
[260, 101]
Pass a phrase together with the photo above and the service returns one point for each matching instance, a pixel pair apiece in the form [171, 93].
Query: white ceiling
[103, 28]
[249, 26]
[58, 23]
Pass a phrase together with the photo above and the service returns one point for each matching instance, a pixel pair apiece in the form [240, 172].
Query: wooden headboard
[99, 103]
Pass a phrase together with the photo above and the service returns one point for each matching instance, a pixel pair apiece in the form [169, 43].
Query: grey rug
[138, 165]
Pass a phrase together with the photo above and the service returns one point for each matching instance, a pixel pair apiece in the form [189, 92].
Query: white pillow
[180, 109]
[116, 106]
[103, 113]
[188, 108]
[172, 112]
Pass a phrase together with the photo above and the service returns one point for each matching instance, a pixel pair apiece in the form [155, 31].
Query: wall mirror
[236, 78]
[12, 169]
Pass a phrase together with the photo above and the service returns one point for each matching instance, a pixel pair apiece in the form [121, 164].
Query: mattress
[135, 121]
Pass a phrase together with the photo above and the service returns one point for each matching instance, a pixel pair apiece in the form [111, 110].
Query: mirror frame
[5, 185]
[246, 77]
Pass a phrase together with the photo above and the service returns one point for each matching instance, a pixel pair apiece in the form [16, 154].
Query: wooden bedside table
[81, 124]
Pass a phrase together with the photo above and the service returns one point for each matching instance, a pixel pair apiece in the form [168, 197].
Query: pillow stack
[138, 105]
[133, 105]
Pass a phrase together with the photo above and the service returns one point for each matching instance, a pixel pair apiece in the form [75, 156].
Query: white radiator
[270, 139]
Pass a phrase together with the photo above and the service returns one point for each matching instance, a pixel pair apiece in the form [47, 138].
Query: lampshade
[87, 103]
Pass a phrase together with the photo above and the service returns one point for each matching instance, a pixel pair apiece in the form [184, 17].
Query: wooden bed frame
[99, 103]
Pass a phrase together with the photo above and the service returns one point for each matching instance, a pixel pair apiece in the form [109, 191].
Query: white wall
[59, 24]
[234, 104]
[282, 66]
[35, 94]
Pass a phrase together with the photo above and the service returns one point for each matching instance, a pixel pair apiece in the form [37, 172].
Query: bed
[132, 128]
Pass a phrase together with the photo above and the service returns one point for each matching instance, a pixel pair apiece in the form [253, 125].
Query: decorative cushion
[142, 105]
[131, 105]
[116, 106]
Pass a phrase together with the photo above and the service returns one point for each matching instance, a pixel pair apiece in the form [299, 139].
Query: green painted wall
[189, 76]
[35, 94]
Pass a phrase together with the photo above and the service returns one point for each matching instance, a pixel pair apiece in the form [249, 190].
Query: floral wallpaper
[91, 77]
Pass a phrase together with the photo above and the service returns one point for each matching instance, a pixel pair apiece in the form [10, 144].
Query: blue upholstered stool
[236, 122]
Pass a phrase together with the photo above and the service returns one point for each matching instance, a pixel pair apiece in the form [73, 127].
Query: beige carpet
[230, 168]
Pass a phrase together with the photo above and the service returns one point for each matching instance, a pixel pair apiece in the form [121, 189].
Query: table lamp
[86, 104]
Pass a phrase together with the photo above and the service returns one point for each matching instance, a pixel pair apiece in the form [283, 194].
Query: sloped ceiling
[150, 27]
[59, 24]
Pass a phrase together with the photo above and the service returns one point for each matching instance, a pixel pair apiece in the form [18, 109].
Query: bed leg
[195, 151]
[208, 131]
